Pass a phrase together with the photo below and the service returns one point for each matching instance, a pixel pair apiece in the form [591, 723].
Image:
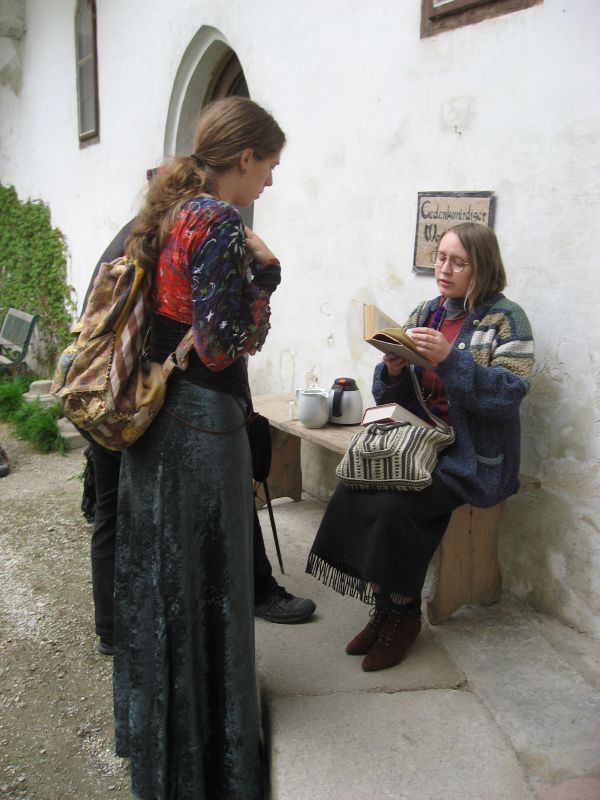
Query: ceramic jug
[313, 407]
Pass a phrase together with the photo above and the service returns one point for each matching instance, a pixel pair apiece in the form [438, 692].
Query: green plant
[38, 424]
[31, 421]
[33, 271]
[11, 399]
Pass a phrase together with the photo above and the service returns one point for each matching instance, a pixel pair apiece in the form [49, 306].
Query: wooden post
[466, 568]
[285, 477]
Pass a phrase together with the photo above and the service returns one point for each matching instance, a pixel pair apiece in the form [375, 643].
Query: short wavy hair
[488, 275]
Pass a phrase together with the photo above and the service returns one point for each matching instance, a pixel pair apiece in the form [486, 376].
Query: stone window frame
[85, 27]
[438, 17]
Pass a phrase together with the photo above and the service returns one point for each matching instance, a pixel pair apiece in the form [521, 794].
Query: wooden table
[466, 568]
[285, 479]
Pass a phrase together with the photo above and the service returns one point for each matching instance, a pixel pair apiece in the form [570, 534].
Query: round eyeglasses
[456, 264]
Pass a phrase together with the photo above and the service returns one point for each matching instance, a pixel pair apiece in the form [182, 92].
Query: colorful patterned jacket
[202, 279]
[486, 376]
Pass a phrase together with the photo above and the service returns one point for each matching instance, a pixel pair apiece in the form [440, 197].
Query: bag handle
[439, 423]
[179, 358]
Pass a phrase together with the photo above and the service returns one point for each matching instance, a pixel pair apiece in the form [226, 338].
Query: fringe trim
[341, 579]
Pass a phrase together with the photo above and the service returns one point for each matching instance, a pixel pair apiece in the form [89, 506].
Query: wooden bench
[15, 336]
[465, 566]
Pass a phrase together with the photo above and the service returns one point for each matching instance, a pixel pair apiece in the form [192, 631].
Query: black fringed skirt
[380, 538]
[186, 709]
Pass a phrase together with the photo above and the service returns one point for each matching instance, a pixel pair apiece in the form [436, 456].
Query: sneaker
[105, 646]
[281, 606]
[4, 467]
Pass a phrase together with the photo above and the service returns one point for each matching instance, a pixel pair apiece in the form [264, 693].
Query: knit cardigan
[485, 376]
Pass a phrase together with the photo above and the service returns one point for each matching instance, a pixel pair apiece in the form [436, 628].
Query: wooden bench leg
[466, 568]
[285, 477]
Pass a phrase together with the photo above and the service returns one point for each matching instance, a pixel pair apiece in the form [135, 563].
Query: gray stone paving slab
[310, 658]
[579, 649]
[528, 698]
[548, 710]
[427, 745]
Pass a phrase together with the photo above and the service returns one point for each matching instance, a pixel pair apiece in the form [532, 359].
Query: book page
[378, 324]
[398, 335]
[387, 336]
[375, 320]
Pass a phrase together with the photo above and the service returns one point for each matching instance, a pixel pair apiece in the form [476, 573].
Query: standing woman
[376, 545]
[186, 709]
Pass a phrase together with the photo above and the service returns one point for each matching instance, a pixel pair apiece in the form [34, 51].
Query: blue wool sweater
[486, 375]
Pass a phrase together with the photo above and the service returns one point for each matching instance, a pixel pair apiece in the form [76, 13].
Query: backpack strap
[178, 359]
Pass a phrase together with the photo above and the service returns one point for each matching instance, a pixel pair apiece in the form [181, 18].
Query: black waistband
[165, 336]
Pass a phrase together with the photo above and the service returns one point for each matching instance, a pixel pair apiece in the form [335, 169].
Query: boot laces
[389, 629]
[378, 617]
[393, 622]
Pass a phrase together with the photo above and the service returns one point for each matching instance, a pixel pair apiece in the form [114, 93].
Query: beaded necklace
[439, 315]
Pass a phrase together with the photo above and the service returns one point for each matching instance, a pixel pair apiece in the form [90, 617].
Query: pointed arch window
[87, 70]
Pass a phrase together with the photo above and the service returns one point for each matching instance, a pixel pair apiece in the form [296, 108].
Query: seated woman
[376, 544]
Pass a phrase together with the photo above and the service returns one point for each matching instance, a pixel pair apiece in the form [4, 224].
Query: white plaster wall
[373, 115]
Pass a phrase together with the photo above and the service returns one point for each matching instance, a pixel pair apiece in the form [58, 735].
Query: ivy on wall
[33, 271]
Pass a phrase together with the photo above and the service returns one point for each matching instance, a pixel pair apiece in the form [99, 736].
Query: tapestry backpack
[104, 378]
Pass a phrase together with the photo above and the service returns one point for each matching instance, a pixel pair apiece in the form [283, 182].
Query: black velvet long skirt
[380, 538]
[186, 710]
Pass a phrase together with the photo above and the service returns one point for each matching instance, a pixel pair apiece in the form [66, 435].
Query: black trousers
[107, 465]
[106, 478]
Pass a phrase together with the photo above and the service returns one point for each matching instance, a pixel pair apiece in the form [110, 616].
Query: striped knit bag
[395, 455]
[108, 386]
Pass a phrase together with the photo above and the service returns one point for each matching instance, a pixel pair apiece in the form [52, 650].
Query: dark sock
[411, 607]
[382, 600]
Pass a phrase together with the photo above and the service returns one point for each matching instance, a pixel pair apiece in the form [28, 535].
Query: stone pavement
[498, 703]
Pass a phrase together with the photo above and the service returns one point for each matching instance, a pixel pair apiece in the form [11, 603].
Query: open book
[386, 335]
[391, 412]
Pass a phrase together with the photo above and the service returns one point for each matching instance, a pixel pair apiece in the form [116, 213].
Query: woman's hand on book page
[259, 249]
[395, 364]
[431, 344]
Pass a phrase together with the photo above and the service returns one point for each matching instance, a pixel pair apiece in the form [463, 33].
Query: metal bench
[15, 337]
[465, 566]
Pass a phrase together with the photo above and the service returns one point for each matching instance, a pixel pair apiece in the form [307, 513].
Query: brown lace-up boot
[395, 637]
[363, 641]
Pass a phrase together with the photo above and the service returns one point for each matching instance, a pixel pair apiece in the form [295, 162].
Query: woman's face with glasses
[452, 268]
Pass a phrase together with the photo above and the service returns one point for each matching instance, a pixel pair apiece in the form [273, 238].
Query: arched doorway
[209, 70]
[229, 80]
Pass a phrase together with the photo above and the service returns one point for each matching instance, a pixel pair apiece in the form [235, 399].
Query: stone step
[40, 390]
[431, 744]
[70, 434]
[40, 387]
